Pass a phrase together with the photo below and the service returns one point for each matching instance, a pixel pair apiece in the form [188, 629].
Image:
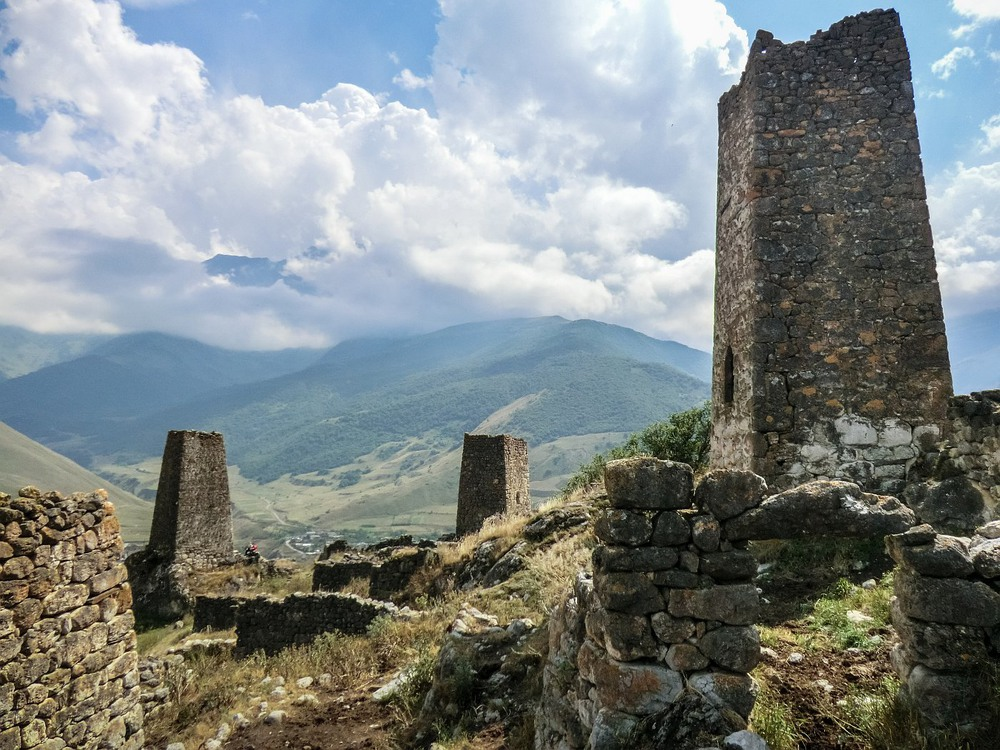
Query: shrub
[683, 436]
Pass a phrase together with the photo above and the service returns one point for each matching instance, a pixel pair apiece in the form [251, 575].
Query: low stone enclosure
[660, 642]
[68, 661]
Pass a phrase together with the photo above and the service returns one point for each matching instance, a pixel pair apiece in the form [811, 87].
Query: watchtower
[192, 519]
[494, 480]
[830, 357]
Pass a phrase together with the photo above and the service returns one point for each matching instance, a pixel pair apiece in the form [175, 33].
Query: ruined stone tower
[494, 480]
[830, 358]
[192, 520]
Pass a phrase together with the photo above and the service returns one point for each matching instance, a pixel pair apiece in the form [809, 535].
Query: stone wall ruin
[662, 640]
[192, 518]
[830, 357]
[494, 480]
[68, 660]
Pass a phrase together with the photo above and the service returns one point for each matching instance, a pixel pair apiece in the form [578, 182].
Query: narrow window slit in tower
[727, 377]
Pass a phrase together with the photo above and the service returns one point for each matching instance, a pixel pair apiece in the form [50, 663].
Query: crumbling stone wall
[192, 518]
[215, 612]
[270, 624]
[946, 612]
[334, 575]
[68, 661]
[494, 480]
[956, 486]
[830, 357]
[393, 575]
[662, 640]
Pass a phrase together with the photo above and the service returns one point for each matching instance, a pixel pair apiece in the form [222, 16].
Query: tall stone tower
[494, 480]
[830, 358]
[192, 519]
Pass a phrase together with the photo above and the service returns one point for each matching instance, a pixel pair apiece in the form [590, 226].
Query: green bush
[684, 436]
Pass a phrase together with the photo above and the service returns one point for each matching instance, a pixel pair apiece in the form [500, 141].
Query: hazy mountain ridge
[585, 377]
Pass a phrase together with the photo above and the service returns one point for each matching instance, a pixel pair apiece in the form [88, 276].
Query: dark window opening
[727, 377]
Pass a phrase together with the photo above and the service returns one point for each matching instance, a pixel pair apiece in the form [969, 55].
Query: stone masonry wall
[334, 575]
[215, 612]
[192, 518]
[493, 480]
[662, 640]
[68, 661]
[270, 624]
[830, 357]
[946, 612]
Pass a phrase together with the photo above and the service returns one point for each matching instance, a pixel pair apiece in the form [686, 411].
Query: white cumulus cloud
[572, 178]
[947, 65]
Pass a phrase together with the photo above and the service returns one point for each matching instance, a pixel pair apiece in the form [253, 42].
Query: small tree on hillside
[684, 436]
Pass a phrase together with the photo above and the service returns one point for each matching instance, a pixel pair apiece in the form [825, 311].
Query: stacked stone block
[947, 614]
[269, 624]
[68, 661]
[830, 356]
[493, 480]
[192, 517]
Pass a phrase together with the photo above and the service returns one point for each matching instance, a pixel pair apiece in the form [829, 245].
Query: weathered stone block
[734, 648]
[683, 657]
[670, 530]
[953, 601]
[671, 629]
[942, 557]
[635, 688]
[942, 698]
[734, 605]
[822, 508]
[620, 559]
[737, 692]
[615, 526]
[734, 565]
[624, 637]
[706, 533]
[648, 483]
[630, 593]
[986, 558]
[937, 645]
[727, 493]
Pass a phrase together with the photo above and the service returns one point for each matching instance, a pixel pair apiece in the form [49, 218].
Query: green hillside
[366, 437]
[23, 351]
[24, 462]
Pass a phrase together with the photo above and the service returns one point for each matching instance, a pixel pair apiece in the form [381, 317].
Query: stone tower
[830, 358]
[192, 520]
[494, 480]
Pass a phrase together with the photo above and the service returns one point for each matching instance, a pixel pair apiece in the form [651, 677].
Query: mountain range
[368, 432]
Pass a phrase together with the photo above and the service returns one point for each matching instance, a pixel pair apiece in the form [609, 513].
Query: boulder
[937, 645]
[671, 529]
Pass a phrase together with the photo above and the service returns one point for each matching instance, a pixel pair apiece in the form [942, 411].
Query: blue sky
[402, 165]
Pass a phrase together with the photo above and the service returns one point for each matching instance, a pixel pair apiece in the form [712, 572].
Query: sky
[262, 174]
